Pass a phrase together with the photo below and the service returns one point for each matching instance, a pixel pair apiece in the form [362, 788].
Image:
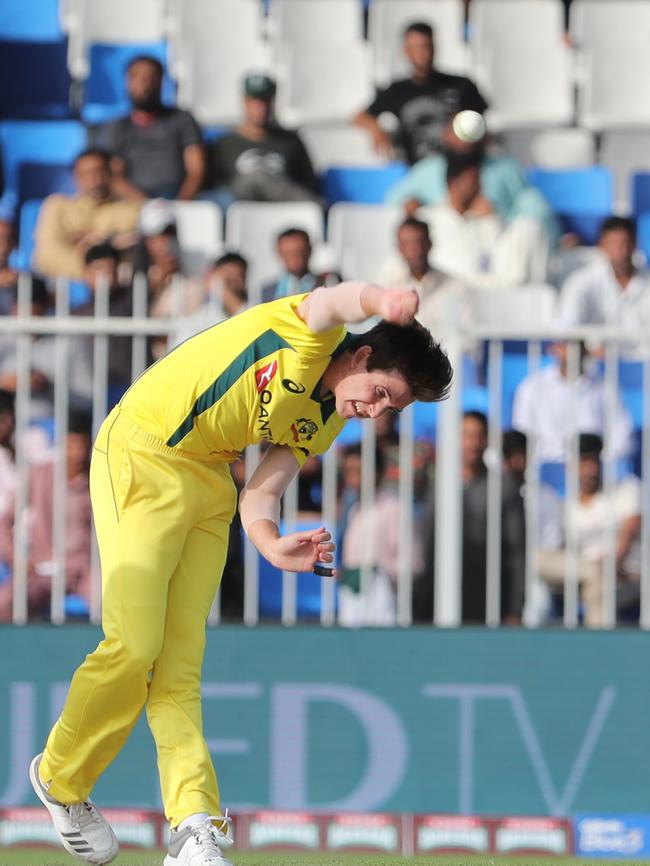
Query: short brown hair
[412, 352]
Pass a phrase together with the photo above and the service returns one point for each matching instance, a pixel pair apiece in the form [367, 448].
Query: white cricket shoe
[82, 829]
[199, 844]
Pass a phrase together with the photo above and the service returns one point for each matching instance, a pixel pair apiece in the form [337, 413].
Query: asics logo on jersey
[264, 375]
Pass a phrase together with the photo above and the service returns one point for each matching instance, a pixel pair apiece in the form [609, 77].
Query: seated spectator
[611, 290]
[410, 266]
[553, 409]
[7, 452]
[157, 150]
[422, 103]
[474, 540]
[294, 252]
[39, 521]
[69, 225]
[502, 180]
[473, 244]
[259, 160]
[8, 274]
[589, 520]
[225, 295]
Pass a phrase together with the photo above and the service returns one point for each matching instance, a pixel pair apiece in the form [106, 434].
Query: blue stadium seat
[40, 179]
[640, 192]
[30, 21]
[643, 234]
[40, 81]
[28, 218]
[365, 185]
[105, 95]
[582, 197]
[76, 607]
[37, 142]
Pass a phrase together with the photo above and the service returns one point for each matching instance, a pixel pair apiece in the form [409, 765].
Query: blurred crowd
[470, 222]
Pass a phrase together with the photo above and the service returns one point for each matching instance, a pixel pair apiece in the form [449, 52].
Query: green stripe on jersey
[264, 345]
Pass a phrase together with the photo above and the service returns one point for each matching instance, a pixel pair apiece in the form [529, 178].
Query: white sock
[196, 818]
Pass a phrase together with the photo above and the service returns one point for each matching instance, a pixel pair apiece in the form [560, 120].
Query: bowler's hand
[399, 306]
[300, 551]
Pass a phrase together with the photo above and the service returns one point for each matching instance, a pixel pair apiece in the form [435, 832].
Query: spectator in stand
[553, 409]
[225, 295]
[589, 520]
[502, 180]
[69, 225]
[473, 244]
[410, 266]
[474, 541]
[7, 452]
[611, 290]
[8, 274]
[39, 522]
[259, 160]
[157, 150]
[294, 251]
[423, 103]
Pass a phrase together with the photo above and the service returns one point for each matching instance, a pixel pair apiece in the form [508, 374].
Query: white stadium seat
[387, 20]
[252, 229]
[299, 22]
[561, 148]
[624, 152]
[496, 25]
[111, 22]
[362, 236]
[515, 307]
[609, 23]
[318, 82]
[567, 260]
[614, 90]
[200, 232]
[339, 144]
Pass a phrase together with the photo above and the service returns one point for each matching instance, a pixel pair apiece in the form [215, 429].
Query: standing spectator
[294, 251]
[8, 274]
[157, 150]
[410, 266]
[473, 244]
[589, 519]
[502, 180]
[39, 522]
[611, 290]
[554, 409]
[225, 295]
[259, 160]
[423, 103]
[474, 541]
[69, 225]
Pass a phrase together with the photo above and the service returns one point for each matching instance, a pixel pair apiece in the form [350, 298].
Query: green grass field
[48, 857]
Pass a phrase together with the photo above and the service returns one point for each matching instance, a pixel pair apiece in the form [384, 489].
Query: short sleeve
[385, 100]
[190, 133]
[284, 319]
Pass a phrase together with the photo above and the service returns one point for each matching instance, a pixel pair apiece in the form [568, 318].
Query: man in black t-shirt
[157, 150]
[260, 161]
[424, 103]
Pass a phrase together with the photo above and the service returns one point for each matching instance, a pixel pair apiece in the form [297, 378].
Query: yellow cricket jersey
[253, 377]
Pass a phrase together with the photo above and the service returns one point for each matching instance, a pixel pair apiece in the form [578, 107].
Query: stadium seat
[362, 235]
[563, 148]
[640, 192]
[29, 21]
[40, 81]
[110, 22]
[609, 23]
[625, 151]
[200, 233]
[307, 95]
[566, 261]
[38, 180]
[516, 307]
[28, 218]
[35, 141]
[252, 229]
[359, 184]
[387, 20]
[105, 94]
[608, 95]
[499, 24]
[581, 197]
[643, 235]
[339, 144]
[330, 22]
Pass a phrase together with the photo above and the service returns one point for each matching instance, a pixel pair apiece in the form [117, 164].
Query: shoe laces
[83, 814]
[213, 832]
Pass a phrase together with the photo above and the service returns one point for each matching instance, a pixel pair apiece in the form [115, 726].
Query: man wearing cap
[259, 160]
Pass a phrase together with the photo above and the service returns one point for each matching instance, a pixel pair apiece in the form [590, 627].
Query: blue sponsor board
[612, 835]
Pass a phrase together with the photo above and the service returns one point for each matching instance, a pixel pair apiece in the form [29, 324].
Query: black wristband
[323, 570]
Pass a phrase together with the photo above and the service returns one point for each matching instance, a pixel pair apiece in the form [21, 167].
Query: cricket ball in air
[468, 126]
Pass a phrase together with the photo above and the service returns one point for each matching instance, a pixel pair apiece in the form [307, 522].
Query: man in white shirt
[554, 409]
[473, 244]
[610, 291]
[409, 266]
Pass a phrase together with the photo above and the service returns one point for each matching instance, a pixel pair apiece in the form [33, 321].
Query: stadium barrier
[443, 424]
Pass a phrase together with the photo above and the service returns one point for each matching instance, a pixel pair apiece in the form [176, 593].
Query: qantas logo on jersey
[264, 375]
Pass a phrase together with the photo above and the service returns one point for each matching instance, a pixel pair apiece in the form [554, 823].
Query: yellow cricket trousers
[162, 523]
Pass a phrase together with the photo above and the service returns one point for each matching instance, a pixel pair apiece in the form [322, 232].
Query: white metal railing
[448, 480]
